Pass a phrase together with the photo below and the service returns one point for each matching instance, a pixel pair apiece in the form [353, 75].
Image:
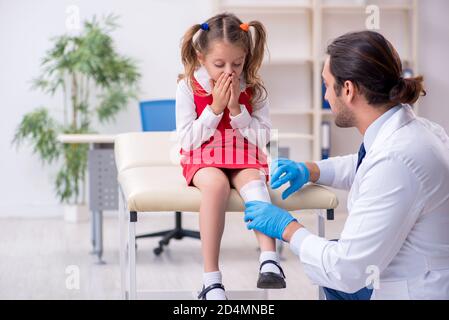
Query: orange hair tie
[244, 27]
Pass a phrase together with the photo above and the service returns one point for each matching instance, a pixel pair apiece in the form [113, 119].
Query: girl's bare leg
[215, 189]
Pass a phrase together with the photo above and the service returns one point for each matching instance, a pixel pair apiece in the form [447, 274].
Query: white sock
[269, 267]
[210, 278]
[255, 190]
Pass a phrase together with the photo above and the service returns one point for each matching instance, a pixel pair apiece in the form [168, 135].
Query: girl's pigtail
[188, 53]
[260, 42]
[256, 57]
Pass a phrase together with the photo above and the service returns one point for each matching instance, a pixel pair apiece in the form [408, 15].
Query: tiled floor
[41, 259]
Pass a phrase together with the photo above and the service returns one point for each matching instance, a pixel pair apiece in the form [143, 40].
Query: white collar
[203, 78]
[374, 128]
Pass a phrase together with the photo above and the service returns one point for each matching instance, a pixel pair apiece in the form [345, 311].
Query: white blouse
[193, 131]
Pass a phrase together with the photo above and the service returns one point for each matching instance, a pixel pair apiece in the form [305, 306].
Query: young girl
[223, 125]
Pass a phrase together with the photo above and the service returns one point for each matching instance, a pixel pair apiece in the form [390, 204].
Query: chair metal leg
[92, 231]
[166, 239]
[321, 225]
[330, 214]
[154, 234]
[99, 236]
[321, 233]
[191, 234]
[172, 234]
[122, 213]
[132, 255]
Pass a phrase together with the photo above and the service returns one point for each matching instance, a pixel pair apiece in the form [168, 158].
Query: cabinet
[298, 33]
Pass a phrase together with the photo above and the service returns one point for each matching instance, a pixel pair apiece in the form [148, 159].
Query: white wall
[150, 32]
[433, 59]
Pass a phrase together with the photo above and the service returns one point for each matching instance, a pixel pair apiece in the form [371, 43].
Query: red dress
[227, 148]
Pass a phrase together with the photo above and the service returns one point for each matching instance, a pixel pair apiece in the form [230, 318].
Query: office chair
[159, 115]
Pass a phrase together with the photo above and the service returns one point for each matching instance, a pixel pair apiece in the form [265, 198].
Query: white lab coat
[398, 216]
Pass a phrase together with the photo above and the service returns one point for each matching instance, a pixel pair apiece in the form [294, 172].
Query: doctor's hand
[267, 218]
[285, 170]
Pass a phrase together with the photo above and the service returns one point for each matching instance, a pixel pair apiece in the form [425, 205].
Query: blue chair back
[158, 115]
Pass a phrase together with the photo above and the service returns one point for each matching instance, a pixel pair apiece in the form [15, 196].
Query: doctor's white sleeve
[255, 127]
[192, 131]
[375, 230]
[338, 172]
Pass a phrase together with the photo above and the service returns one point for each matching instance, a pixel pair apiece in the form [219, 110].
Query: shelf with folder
[397, 22]
[326, 112]
[281, 61]
[298, 33]
[286, 46]
[271, 7]
[293, 136]
[287, 66]
[354, 8]
[406, 61]
[291, 111]
[261, 9]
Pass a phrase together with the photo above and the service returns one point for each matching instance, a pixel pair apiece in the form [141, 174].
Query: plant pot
[76, 213]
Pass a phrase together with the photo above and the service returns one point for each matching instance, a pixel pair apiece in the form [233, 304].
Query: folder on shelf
[325, 140]
[407, 73]
[326, 104]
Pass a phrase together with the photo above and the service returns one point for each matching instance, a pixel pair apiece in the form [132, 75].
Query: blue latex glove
[267, 218]
[285, 170]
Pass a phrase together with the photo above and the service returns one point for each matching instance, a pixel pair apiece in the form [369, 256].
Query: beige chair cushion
[152, 180]
[140, 149]
[165, 189]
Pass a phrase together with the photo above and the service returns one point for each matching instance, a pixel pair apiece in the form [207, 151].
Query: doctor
[398, 205]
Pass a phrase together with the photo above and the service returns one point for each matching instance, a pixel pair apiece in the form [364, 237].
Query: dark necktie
[362, 153]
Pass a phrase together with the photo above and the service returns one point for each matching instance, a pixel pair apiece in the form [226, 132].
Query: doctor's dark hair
[227, 27]
[370, 61]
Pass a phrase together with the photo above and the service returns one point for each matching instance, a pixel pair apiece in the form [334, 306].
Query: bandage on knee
[255, 190]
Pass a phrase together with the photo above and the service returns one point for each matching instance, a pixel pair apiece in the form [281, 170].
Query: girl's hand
[221, 92]
[234, 106]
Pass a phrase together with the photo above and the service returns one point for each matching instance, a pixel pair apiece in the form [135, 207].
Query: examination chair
[159, 115]
[150, 180]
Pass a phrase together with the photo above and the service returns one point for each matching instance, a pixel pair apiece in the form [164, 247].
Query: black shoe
[271, 280]
[204, 291]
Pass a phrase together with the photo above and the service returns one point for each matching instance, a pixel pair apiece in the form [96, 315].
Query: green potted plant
[96, 82]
